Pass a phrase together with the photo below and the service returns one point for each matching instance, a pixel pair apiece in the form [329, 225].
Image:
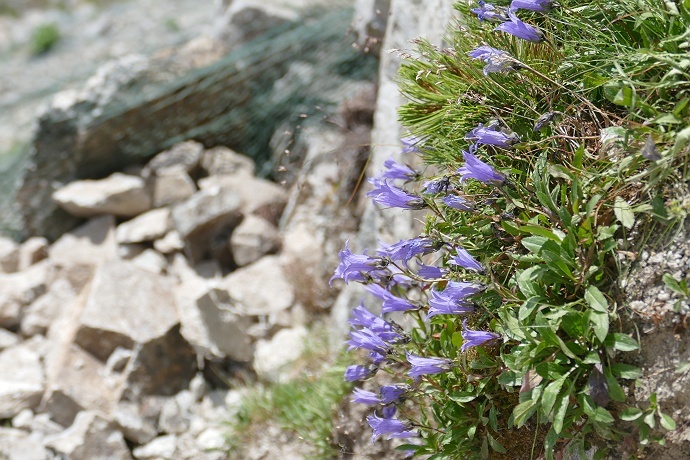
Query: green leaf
[626, 371]
[599, 316]
[682, 138]
[522, 412]
[630, 413]
[649, 420]
[495, 445]
[551, 391]
[621, 342]
[596, 300]
[462, 397]
[600, 324]
[560, 410]
[602, 415]
[528, 281]
[672, 284]
[615, 391]
[682, 368]
[624, 213]
[528, 307]
[666, 421]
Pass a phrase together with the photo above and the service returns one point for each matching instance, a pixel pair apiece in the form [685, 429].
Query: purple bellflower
[392, 427]
[492, 135]
[367, 340]
[391, 196]
[363, 317]
[542, 6]
[365, 397]
[458, 202]
[466, 261]
[396, 170]
[431, 272]
[376, 358]
[453, 299]
[410, 144]
[390, 302]
[516, 27]
[354, 267]
[392, 393]
[404, 250]
[496, 60]
[489, 12]
[356, 372]
[476, 169]
[437, 186]
[475, 338]
[426, 366]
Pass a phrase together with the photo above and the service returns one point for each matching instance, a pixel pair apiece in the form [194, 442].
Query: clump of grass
[304, 406]
[44, 39]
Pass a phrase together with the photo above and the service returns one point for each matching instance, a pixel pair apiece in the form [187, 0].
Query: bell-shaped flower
[490, 12]
[465, 260]
[475, 338]
[514, 26]
[355, 267]
[476, 169]
[542, 6]
[492, 135]
[426, 366]
[458, 202]
[391, 302]
[404, 250]
[394, 170]
[391, 196]
[391, 427]
[356, 372]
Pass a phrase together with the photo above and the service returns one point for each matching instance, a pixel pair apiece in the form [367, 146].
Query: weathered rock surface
[260, 288]
[252, 239]
[171, 242]
[126, 305]
[171, 187]
[21, 380]
[32, 251]
[225, 329]
[39, 315]
[206, 220]
[91, 437]
[77, 381]
[118, 194]
[258, 196]
[273, 357]
[184, 156]
[149, 226]
[9, 255]
[19, 445]
[222, 160]
[19, 290]
[7, 339]
[161, 448]
[134, 426]
[86, 245]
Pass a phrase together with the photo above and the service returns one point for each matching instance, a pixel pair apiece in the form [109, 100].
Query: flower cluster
[510, 23]
[396, 270]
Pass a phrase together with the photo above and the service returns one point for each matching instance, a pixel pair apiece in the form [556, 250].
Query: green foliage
[44, 38]
[617, 73]
[304, 406]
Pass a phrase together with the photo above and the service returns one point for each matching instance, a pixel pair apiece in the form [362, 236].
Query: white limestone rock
[9, 255]
[272, 358]
[91, 437]
[118, 194]
[22, 380]
[260, 288]
[222, 160]
[252, 239]
[149, 226]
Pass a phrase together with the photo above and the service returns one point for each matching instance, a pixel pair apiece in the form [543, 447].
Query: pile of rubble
[119, 339]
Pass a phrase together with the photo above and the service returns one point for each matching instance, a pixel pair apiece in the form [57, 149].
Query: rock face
[252, 239]
[21, 380]
[90, 437]
[126, 306]
[149, 226]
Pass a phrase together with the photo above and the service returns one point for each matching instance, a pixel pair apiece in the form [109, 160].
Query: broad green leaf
[596, 300]
[540, 231]
[666, 421]
[615, 391]
[600, 324]
[649, 420]
[682, 138]
[528, 307]
[560, 410]
[462, 397]
[522, 412]
[621, 342]
[682, 368]
[672, 284]
[528, 281]
[630, 413]
[551, 392]
[626, 371]
[602, 415]
[624, 213]
[534, 243]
